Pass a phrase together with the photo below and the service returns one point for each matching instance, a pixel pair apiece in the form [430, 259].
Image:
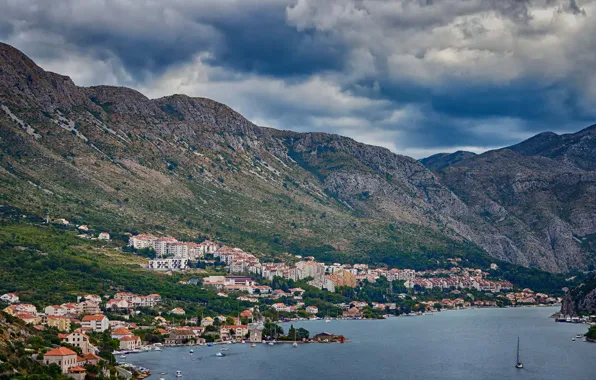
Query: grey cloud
[412, 75]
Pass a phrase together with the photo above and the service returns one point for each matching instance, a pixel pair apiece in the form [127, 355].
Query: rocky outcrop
[581, 299]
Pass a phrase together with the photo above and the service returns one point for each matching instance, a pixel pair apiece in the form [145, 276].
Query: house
[28, 318]
[20, 308]
[246, 314]
[353, 312]
[130, 342]
[120, 333]
[239, 331]
[96, 323]
[207, 321]
[327, 337]
[78, 339]
[255, 335]
[9, 297]
[83, 227]
[93, 298]
[77, 373]
[62, 357]
[55, 310]
[91, 359]
[177, 311]
[312, 310]
[160, 320]
[60, 322]
[88, 307]
[117, 303]
[70, 308]
[180, 336]
[280, 307]
[103, 236]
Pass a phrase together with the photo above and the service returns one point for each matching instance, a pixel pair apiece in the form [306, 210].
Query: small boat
[518, 363]
[161, 378]
[191, 351]
[220, 354]
[579, 336]
[209, 344]
[122, 356]
[295, 345]
[224, 349]
[271, 343]
[253, 345]
[156, 348]
[573, 339]
[178, 373]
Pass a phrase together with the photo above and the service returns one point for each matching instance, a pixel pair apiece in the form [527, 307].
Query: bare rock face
[581, 299]
[539, 195]
[197, 166]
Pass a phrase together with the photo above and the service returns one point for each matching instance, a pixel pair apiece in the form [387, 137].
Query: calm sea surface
[467, 344]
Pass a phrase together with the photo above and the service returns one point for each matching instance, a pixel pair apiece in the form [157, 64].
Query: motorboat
[191, 351]
[253, 345]
[220, 354]
[178, 373]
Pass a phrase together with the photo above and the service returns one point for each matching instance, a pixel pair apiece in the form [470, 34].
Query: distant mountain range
[110, 156]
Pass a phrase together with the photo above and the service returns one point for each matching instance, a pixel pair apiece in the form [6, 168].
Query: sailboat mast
[518, 349]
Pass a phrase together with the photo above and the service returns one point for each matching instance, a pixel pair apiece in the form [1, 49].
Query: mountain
[440, 160]
[539, 194]
[581, 299]
[111, 157]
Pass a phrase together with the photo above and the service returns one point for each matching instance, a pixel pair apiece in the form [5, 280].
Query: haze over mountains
[110, 156]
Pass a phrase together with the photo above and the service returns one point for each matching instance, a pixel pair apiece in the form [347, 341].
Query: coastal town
[95, 328]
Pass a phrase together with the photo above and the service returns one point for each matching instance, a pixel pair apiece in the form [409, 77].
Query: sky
[415, 76]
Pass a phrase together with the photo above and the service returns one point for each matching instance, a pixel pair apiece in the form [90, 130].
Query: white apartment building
[96, 323]
[174, 263]
[142, 241]
[311, 269]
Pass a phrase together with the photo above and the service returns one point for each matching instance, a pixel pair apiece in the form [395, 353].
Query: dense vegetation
[48, 265]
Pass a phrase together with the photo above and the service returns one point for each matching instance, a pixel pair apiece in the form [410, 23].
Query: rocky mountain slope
[441, 160]
[110, 156]
[581, 299]
[540, 194]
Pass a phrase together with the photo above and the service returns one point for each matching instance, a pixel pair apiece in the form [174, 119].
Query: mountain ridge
[196, 166]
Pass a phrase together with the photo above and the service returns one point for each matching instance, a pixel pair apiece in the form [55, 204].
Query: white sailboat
[295, 344]
[327, 319]
[518, 363]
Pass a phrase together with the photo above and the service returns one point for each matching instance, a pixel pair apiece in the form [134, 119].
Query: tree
[272, 330]
[302, 333]
[591, 335]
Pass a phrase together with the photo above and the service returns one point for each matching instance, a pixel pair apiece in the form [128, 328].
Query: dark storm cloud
[416, 76]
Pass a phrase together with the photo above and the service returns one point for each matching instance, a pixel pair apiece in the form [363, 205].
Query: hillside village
[94, 327]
